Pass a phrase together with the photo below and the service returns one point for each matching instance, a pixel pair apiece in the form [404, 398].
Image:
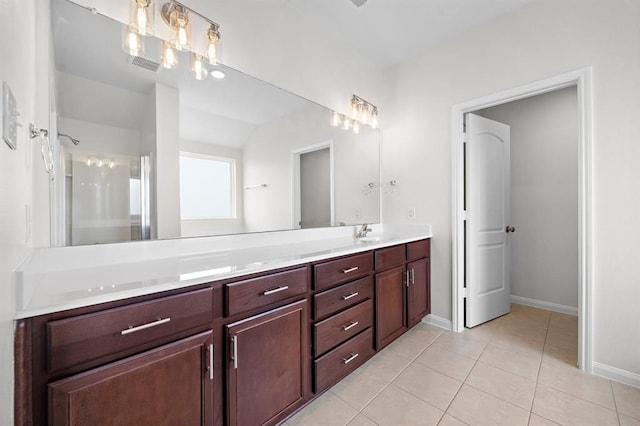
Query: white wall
[544, 38]
[203, 227]
[544, 195]
[99, 138]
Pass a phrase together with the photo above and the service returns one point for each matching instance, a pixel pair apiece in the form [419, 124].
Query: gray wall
[544, 195]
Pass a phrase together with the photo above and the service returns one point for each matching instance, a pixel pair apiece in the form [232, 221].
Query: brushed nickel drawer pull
[349, 296]
[234, 342]
[210, 366]
[275, 290]
[350, 326]
[351, 358]
[133, 329]
[352, 269]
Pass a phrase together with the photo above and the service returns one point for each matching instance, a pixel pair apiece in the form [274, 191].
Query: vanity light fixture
[197, 67]
[141, 17]
[177, 17]
[168, 56]
[212, 41]
[132, 42]
[362, 112]
[336, 118]
[356, 127]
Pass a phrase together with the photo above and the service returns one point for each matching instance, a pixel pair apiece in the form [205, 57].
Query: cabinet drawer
[336, 299]
[389, 257]
[340, 327]
[342, 360]
[250, 294]
[418, 250]
[338, 271]
[84, 338]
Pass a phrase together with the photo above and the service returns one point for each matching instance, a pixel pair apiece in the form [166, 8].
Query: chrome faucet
[364, 230]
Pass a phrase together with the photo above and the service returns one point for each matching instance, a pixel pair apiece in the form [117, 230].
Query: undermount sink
[374, 238]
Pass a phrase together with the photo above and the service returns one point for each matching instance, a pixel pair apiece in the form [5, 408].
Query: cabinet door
[390, 306]
[267, 365]
[169, 385]
[418, 291]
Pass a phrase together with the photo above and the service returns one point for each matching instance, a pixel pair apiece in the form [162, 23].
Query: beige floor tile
[578, 383]
[524, 328]
[513, 362]
[561, 340]
[385, 364]
[539, 317]
[560, 356]
[448, 420]
[628, 421]
[475, 407]
[395, 406]
[563, 323]
[361, 420]
[446, 362]
[424, 332]
[627, 399]
[484, 331]
[518, 344]
[428, 385]
[461, 343]
[410, 345]
[328, 410]
[569, 410]
[504, 385]
[359, 388]
[536, 420]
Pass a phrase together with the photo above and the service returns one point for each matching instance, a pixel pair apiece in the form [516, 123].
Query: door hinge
[464, 215]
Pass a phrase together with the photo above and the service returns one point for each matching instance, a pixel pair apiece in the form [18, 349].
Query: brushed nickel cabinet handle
[350, 326]
[156, 323]
[349, 359]
[275, 290]
[349, 296]
[413, 276]
[210, 367]
[405, 278]
[234, 356]
[352, 269]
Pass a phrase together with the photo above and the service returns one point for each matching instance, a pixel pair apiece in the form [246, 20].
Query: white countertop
[57, 279]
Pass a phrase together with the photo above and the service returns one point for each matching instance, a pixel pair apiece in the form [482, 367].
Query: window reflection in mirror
[142, 120]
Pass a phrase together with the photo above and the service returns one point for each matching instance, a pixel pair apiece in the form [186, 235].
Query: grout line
[615, 404]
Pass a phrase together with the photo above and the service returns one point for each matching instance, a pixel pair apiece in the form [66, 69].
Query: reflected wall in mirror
[147, 152]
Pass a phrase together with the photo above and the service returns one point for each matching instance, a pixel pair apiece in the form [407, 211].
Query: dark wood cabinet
[169, 385]
[418, 291]
[267, 365]
[390, 305]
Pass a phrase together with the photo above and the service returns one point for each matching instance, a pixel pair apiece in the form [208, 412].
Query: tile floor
[519, 369]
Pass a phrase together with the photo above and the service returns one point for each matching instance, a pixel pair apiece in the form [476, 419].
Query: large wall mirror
[147, 152]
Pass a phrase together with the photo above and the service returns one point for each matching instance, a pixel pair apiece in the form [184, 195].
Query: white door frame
[297, 196]
[582, 80]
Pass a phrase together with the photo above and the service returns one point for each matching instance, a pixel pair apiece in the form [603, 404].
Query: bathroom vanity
[238, 337]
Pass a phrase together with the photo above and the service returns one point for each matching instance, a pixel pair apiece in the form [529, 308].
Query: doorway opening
[581, 79]
[313, 186]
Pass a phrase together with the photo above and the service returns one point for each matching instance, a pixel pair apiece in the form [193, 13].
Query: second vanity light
[179, 19]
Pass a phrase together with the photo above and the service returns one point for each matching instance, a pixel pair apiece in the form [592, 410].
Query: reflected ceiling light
[132, 42]
[169, 56]
[356, 127]
[217, 74]
[336, 118]
[346, 124]
[198, 69]
[374, 118]
[213, 44]
[141, 17]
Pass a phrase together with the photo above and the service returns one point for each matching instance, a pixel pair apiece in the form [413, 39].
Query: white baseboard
[437, 321]
[617, 374]
[556, 307]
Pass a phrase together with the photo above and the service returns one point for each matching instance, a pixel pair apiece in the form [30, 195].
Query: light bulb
[335, 118]
[169, 56]
[355, 107]
[374, 118]
[179, 23]
[100, 163]
[132, 42]
[213, 45]
[88, 161]
[141, 18]
[197, 67]
[111, 166]
[364, 113]
[356, 127]
[346, 123]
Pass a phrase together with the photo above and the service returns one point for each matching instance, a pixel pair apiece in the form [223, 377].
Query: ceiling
[390, 31]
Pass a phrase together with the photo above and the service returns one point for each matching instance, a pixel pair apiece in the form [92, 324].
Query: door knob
[510, 229]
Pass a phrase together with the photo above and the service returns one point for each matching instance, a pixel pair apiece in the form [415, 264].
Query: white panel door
[488, 220]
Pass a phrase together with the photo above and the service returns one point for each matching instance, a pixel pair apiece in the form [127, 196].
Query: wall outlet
[357, 213]
[411, 213]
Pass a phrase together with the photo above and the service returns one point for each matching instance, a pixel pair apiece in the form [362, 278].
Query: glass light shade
[356, 127]
[168, 56]
[364, 113]
[197, 67]
[335, 118]
[213, 45]
[181, 28]
[355, 108]
[374, 118]
[141, 17]
[346, 124]
[132, 42]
